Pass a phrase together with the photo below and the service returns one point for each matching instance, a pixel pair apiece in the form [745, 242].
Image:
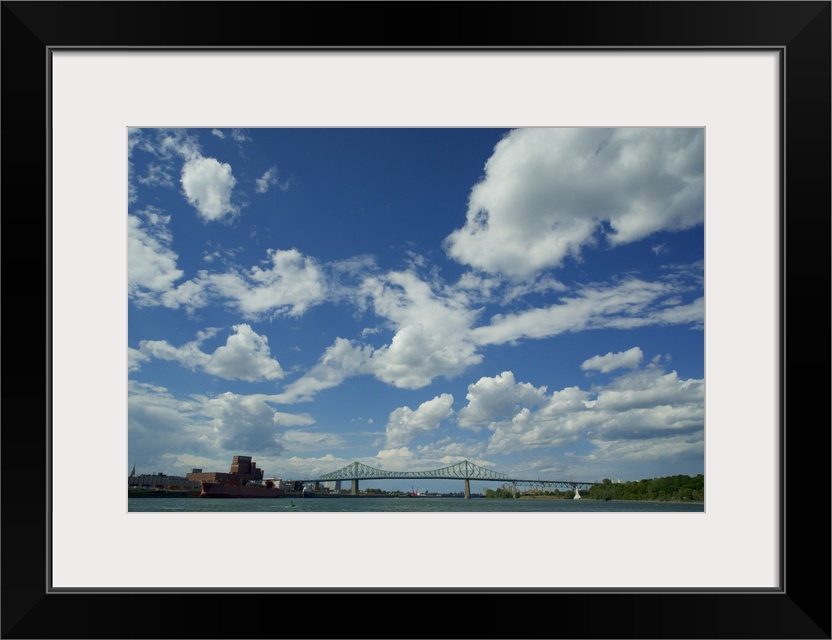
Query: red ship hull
[218, 490]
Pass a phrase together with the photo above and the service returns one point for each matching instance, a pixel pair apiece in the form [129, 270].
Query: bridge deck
[464, 470]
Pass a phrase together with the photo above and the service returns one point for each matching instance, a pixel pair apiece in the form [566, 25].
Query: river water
[404, 504]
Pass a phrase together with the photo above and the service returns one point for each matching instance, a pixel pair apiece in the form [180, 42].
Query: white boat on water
[577, 495]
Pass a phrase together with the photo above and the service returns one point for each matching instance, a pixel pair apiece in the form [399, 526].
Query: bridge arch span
[464, 470]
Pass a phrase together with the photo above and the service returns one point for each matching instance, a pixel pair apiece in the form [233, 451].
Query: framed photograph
[424, 152]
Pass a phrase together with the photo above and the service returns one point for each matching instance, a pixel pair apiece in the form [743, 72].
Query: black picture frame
[799, 31]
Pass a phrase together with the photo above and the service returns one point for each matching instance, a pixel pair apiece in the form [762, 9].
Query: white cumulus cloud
[629, 359]
[289, 285]
[245, 356]
[494, 399]
[135, 359]
[648, 404]
[246, 423]
[151, 263]
[432, 331]
[208, 185]
[547, 193]
[405, 424]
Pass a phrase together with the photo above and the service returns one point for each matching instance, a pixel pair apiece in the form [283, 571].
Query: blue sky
[531, 300]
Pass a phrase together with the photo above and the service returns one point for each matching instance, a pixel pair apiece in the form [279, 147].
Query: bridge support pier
[354, 487]
[467, 488]
[513, 489]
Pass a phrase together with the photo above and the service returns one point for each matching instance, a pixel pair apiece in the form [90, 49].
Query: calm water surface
[399, 505]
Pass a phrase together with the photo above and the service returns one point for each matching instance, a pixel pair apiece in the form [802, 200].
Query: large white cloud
[498, 398]
[416, 355]
[547, 193]
[432, 331]
[290, 285]
[405, 424]
[206, 431]
[151, 263]
[160, 423]
[642, 404]
[562, 419]
[653, 389]
[208, 185]
[245, 356]
[246, 423]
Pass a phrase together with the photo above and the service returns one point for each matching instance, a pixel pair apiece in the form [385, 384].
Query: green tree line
[678, 488]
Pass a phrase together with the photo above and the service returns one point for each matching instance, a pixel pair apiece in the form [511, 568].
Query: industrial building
[243, 470]
[159, 481]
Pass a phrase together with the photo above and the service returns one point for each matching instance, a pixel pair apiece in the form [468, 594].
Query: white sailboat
[577, 495]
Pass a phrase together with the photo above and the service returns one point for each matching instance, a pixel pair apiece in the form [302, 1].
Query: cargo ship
[243, 480]
[224, 490]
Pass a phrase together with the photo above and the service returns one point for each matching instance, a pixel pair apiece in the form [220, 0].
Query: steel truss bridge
[465, 471]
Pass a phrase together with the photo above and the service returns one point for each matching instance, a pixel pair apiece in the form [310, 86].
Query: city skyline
[530, 300]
